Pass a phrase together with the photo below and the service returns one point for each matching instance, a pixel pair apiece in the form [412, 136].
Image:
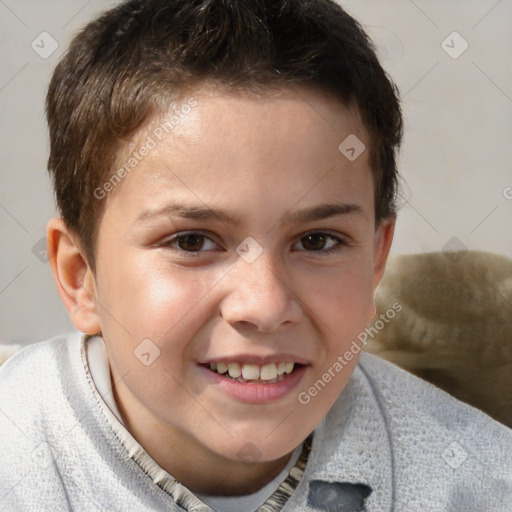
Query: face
[242, 243]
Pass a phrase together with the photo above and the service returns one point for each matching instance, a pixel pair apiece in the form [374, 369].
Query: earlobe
[73, 277]
[383, 240]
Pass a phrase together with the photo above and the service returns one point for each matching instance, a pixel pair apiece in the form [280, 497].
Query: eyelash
[340, 244]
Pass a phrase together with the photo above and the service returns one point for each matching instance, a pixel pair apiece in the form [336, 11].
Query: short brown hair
[119, 67]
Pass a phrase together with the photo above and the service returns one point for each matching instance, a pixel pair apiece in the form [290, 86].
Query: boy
[226, 176]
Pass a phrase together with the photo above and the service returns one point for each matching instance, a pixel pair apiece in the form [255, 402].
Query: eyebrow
[324, 211]
[189, 211]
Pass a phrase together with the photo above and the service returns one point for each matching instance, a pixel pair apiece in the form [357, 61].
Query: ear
[382, 245]
[73, 277]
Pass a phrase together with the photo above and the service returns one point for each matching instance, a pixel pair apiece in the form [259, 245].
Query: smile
[255, 383]
[253, 373]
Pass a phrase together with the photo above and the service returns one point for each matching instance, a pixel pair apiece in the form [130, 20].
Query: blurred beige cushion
[7, 351]
[455, 328]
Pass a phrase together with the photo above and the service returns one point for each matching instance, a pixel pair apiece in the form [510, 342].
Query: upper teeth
[253, 371]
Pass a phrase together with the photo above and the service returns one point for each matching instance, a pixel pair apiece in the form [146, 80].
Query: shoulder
[438, 443]
[413, 445]
[36, 362]
[35, 413]
[33, 379]
[398, 389]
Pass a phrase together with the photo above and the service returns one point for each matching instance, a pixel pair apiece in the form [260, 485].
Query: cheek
[343, 307]
[150, 300]
[343, 300]
[151, 308]
[151, 295]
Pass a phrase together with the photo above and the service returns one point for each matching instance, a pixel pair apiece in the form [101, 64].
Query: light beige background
[456, 160]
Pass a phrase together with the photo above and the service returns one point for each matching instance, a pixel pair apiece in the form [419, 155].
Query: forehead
[215, 146]
[239, 117]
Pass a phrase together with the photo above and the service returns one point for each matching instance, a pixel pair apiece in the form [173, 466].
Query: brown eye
[190, 243]
[322, 243]
[314, 241]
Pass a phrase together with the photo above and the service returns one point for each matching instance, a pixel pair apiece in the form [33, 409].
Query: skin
[261, 159]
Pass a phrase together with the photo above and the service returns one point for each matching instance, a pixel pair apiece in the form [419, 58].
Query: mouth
[255, 379]
[248, 373]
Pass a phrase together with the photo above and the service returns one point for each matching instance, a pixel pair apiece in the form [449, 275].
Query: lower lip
[256, 393]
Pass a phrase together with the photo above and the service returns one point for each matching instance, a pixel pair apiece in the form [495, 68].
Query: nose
[259, 298]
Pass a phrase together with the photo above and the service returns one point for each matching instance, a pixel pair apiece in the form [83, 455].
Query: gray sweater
[391, 442]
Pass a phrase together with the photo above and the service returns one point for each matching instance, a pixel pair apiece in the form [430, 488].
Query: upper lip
[256, 359]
